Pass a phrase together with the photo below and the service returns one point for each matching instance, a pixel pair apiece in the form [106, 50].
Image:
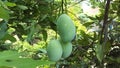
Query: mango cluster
[62, 48]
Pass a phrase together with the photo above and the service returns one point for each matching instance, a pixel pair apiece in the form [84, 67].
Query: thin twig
[76, 3]
[62, 4]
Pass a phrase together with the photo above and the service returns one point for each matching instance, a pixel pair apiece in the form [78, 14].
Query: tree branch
[105, 23]
[62, 6]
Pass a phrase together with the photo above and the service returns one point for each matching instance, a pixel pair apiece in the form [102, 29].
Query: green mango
[66, 28]
[54, 50]
[67, 49]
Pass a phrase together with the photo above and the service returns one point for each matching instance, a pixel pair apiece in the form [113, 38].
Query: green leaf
[106, 47]
[49, 1]
[8, 55]
[43, 50]
[44, 17]
[117, 59]
[5, 67]
[99, 52]
[4, 14]
[2, 34]
[3, 25]
[44, 32]
[9, 37]
[88, 24]
[22, 7]
[10, 4]
[32, 31]
[12, 59]
[102, 49]
[3, 28]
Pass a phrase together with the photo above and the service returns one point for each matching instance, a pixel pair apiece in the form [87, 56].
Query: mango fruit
[54, 50]
[66, 28]
[67, 49]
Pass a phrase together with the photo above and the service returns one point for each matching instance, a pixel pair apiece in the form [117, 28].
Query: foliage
[26, 26]
[12, 59]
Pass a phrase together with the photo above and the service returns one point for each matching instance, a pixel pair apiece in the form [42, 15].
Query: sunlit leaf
[22, 7]
[10, 4]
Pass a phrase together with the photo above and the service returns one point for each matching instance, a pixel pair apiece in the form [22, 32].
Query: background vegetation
[27, 25]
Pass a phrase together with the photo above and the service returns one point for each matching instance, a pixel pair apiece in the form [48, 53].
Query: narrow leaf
[99, 52]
